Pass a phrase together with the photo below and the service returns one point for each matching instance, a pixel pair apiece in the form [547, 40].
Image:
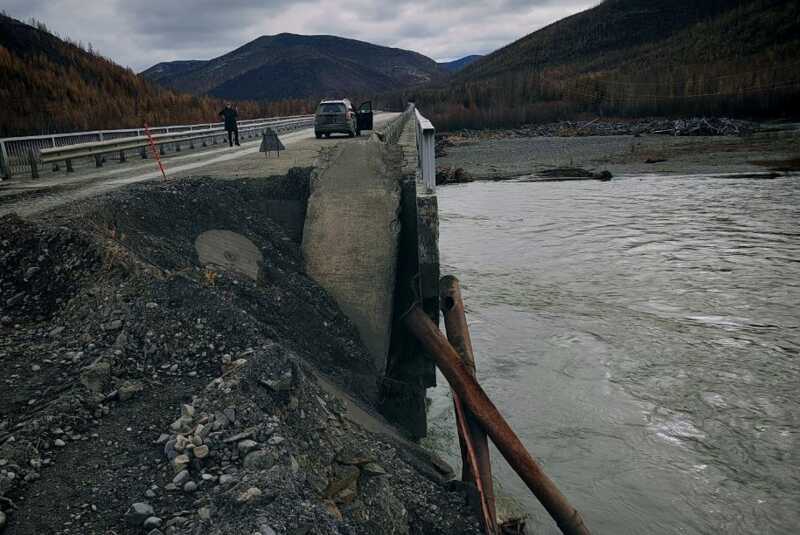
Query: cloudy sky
[141, 33]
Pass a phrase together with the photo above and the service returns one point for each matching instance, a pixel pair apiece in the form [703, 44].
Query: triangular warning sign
[270, 142]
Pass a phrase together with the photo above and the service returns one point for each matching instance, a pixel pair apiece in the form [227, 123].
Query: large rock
[138, 513]
[387, 514]
[95, 376]
[251, 495]
[259, 460]
[354, 456]
[5, 484]
[345, 478]
[129, 389]
[246, 446]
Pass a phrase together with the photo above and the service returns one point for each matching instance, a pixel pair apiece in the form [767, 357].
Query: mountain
[169, 69]
[299, 66]
[635, 57]
[50, 85]
[458, 64]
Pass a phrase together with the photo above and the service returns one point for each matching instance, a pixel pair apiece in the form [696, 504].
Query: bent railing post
[567, 517]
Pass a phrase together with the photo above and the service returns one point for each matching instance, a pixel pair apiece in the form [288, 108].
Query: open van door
[364, 116]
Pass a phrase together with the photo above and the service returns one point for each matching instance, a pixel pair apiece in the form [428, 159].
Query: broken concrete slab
[350, 239]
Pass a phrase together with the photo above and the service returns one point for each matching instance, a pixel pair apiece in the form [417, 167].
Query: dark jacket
[229, 115]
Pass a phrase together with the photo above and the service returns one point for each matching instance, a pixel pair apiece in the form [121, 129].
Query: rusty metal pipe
[455, 321]
[567, 517]
[471, 464]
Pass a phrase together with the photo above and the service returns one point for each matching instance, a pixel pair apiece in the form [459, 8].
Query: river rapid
[642, 338]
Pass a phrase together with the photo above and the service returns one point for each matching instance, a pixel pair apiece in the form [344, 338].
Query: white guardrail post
[426, 151]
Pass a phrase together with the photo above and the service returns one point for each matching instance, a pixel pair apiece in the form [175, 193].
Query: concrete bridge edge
[392, 259]
[410, 372]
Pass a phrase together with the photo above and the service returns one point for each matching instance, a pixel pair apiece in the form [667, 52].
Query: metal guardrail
[425, 141]
[22, 155]
[426, 151]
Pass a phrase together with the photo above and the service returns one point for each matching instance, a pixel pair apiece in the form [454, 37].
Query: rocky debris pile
[451, 175]
[92, 380]
[698, 126]
[40, 269]
[263, 450]
[121, 343]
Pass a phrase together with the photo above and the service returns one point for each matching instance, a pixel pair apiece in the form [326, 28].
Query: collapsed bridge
[365, 217]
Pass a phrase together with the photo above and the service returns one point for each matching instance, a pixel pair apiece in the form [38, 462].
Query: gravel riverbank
[147, 393]
[497, 155]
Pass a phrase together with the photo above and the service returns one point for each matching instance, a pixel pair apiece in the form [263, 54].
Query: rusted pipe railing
[470, 466]
[567, 517]
[475, 458]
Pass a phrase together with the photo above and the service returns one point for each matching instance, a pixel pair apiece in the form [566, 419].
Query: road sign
[270, 142]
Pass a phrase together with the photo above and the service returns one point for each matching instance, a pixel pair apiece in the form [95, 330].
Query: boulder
[259, 460]
[345, 477]
[138, 513]
[129, 389]
[387, 515]
[95, 376]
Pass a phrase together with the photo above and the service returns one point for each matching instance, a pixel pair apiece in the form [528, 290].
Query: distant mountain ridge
[170, 69]
[458, 64]
[298, 66]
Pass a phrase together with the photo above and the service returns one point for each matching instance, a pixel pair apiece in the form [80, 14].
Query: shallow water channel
[642, 337]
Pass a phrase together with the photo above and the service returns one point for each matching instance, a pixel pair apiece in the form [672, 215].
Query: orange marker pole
[154, 151]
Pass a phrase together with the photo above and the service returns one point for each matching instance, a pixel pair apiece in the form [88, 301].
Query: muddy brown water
[642, 337]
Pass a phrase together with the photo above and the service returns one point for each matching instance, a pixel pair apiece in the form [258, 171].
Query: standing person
[229, 115]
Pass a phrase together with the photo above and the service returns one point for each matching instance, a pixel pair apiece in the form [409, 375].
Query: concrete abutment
[370, 239]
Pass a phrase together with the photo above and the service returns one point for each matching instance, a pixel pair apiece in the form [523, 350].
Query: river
[642, 338]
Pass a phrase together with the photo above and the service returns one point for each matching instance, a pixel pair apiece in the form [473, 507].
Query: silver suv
[337, 116]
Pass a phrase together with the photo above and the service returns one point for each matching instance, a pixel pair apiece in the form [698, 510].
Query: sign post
[270, 142]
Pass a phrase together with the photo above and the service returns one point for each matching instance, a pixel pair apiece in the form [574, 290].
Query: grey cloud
[143, 32]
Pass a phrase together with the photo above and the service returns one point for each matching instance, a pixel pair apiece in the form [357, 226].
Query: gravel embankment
[623, 149]
[146, 393]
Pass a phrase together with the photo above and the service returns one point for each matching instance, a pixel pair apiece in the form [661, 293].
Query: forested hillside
[50, 85]
[635, 57]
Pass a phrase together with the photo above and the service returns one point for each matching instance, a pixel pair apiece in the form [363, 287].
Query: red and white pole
[154, 151]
